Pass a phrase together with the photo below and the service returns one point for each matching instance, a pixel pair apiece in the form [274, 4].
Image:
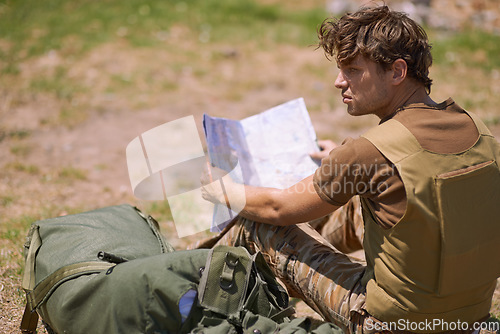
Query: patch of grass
[22, 222]
[64, 89]
[317, 70]
[493, 120]
[58, 83]
[12, 234]
[6, 200]
[249, 20]
[71, 116]
[67, 115]
[70, 173]
[74, 27]
[21, 150]
[101, 166]
[472, 48]
[121, 81]
[20, 167]
[9, 67]
[160, 210]
[169, 85]
[19, 134]
[14, 134]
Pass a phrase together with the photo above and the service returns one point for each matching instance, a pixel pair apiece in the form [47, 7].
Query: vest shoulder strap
[481, 127]
[393, 140]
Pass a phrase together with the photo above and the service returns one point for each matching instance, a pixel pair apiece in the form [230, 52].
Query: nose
[340, 82]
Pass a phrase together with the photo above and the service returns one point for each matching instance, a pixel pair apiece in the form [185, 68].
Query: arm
[297, 204]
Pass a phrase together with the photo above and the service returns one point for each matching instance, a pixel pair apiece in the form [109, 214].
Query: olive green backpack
[111, 271]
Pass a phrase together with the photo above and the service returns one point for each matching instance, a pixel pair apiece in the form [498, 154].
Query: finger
[204, 193]
[209, 171]
[318, 155]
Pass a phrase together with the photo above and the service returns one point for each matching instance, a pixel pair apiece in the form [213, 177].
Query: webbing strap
[285, 313]
[29, 269]
[60, 275]
[34, 297]
[227, 276]
[29, 321]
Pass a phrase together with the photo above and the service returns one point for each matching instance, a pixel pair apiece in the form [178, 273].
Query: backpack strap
[29, 321]
[33, 244]
[48, 285]
[37, 295]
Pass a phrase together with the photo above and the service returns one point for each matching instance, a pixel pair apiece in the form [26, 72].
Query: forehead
[359, 60]
[364, 65]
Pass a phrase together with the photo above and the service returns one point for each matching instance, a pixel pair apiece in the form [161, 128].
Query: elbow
[277, 216]
[274, 218]
[273, 209]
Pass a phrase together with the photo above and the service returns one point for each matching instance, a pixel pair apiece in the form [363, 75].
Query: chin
[352, 112]
[356, 112]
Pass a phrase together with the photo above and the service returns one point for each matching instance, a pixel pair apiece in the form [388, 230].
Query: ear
[399, 69]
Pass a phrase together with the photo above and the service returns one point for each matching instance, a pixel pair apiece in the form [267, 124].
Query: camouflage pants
[311, 262]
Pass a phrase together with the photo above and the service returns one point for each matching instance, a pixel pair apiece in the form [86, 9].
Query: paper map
[270, 149]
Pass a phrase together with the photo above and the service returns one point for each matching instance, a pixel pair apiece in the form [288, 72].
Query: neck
[406, 94]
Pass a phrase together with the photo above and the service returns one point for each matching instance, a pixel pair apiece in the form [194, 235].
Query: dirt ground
[60, 155]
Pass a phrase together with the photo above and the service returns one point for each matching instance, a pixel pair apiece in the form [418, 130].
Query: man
[424, 184]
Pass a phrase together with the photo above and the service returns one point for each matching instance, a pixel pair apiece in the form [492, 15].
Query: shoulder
[444, 128]
[350, 157]
[354, 150]
[351, 169]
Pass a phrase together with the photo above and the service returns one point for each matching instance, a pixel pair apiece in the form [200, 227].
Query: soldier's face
[364, 87]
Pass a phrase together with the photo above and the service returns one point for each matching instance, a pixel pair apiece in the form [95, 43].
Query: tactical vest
[441, 260]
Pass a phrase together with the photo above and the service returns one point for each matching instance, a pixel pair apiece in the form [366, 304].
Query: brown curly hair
[381, 35]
